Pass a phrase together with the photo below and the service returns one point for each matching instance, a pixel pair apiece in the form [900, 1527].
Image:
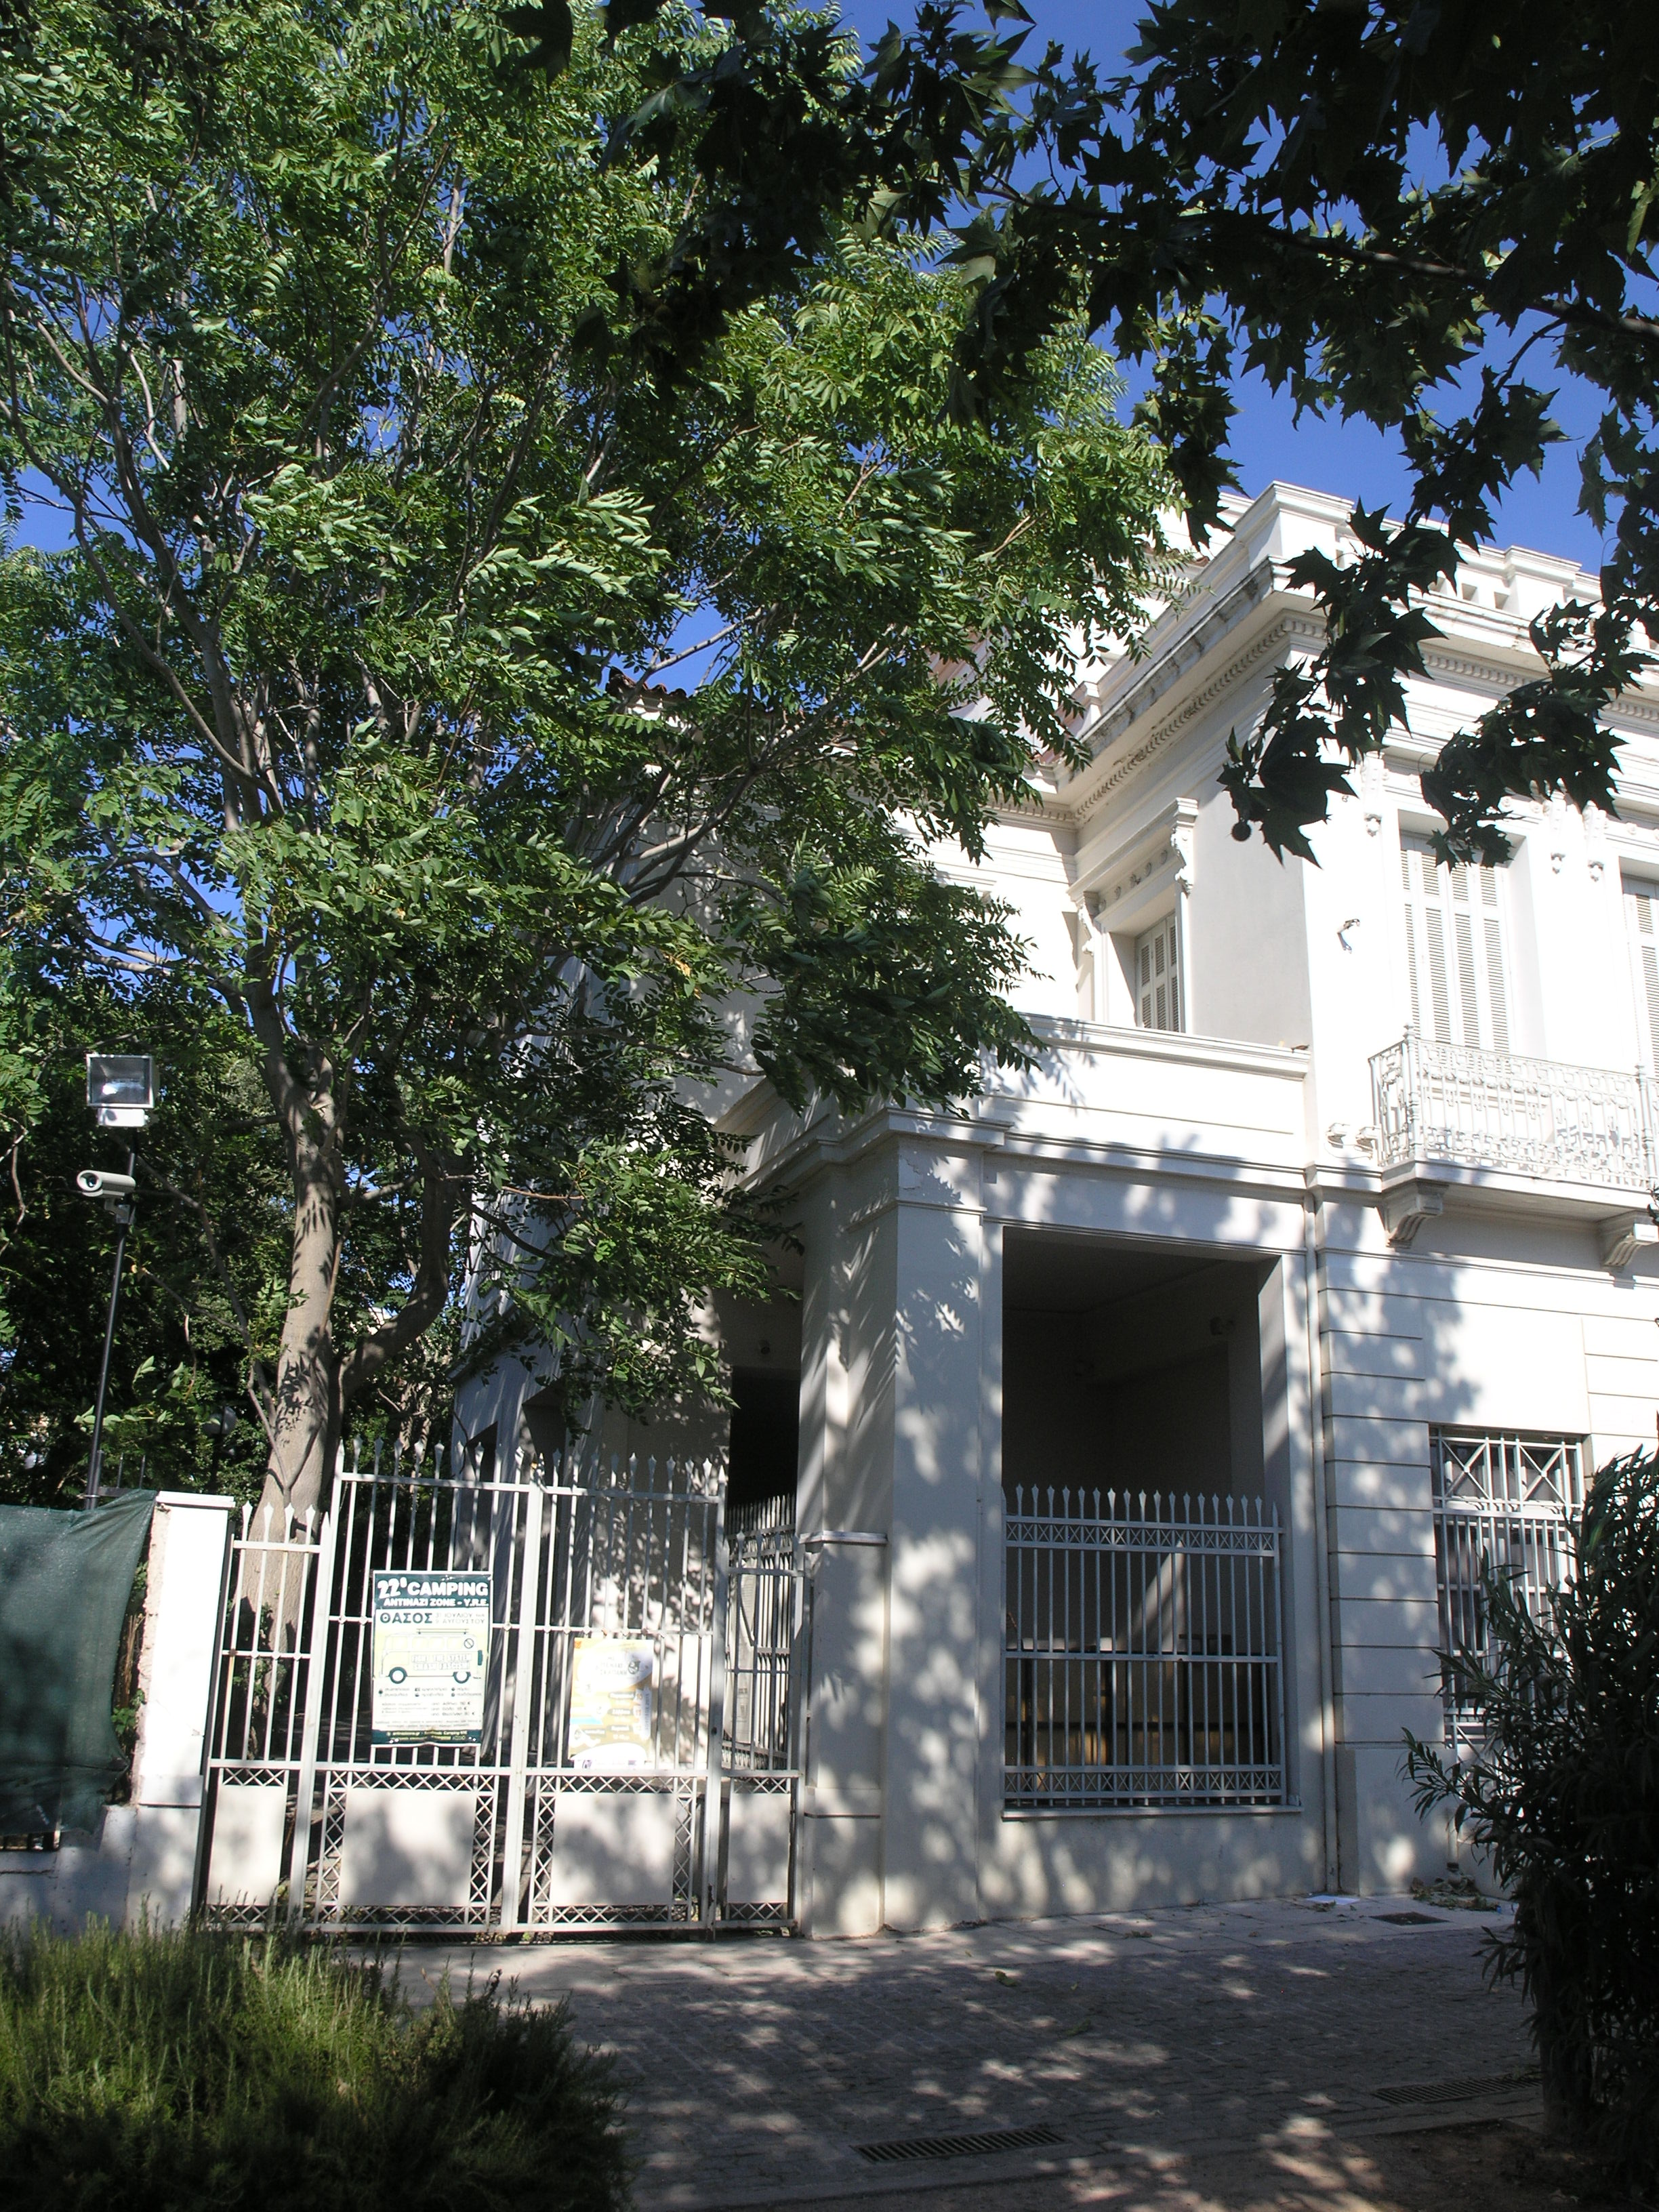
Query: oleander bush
[1560, 1789]
[191, 2068]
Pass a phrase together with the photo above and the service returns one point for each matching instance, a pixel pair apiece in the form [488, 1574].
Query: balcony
[1489, 1117]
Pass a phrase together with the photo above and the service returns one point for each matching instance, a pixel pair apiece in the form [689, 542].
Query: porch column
[846, 1283]
[934, 1451]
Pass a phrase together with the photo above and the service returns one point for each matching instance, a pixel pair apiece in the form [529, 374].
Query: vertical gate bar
[322, 1608]
[512, 1871]
[710, 1840]
[1246, 1638]
[800, 1673]
[1115, 1671]
[1278, 1668]
[362, 1629]
[1264, 1631]
[1199, 1664]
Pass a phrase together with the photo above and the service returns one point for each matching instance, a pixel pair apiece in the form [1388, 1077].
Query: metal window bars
[1143, 1651]
[1507, 1503]
[1459, 1103]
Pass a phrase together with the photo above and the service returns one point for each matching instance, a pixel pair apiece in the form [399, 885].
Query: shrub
[191, 2069]
[1561, 1790]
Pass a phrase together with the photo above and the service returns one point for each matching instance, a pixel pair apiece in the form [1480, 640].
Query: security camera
[104, 1183]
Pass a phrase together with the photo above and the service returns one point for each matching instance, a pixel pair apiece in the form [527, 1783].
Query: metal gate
[625, 1572]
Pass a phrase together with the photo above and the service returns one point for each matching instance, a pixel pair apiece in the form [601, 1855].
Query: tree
[202, 1294]
[1562, 1791]
[404, 462]
[1367, 201]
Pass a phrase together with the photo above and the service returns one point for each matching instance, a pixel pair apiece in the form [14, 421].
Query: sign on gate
[611, 1705]
[431, 1657]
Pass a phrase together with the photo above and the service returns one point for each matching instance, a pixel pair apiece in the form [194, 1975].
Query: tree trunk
[306, 1415]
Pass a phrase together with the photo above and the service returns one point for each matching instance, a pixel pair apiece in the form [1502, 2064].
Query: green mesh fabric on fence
[64, 1582]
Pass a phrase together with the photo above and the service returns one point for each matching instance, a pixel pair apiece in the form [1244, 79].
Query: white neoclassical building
[1145, 1420]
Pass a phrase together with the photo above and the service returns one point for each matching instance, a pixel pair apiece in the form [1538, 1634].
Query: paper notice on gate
[612, 1705]
[431, 1655]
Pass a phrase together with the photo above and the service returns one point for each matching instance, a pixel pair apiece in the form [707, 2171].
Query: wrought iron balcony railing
[1494, 1110]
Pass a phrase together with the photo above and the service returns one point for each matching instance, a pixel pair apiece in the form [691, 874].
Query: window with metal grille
[1142, 1651]
[1157, 978]
[1511, 1500]
[1454, 950]
[1642, 921]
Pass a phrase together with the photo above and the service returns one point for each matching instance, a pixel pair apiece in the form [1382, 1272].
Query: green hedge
[193, 2070]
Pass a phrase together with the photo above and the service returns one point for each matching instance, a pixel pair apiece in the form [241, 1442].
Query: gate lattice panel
[542, 1823]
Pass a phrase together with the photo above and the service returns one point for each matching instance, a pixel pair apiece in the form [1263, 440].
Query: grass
[191, 2070]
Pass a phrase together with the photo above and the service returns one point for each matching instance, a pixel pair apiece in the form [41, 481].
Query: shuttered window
[1454, 950]
[1157, 978]
[1642, 919]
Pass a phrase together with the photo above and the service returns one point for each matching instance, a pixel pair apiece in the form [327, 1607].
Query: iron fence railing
[1143, 1651]
[1457, 1103]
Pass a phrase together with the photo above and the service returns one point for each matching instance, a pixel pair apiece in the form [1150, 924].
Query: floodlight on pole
[121, 1092]
[121, 1088]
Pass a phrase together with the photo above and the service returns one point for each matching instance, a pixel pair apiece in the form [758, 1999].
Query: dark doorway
[765, 1436]
[1130, 1366]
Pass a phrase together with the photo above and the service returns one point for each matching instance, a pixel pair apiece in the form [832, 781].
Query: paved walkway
[755, 2067]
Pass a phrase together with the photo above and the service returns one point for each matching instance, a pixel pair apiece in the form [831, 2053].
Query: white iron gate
[636, 1717]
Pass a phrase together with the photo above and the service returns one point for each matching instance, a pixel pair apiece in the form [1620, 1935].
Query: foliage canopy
[1413, 213]
[1417, 211]
[407, 455]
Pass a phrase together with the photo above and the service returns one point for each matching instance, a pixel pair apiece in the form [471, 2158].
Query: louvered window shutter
[1454, 950]
[1157, 978]
[1641, 917]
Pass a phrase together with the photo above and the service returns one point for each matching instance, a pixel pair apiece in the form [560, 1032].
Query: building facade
[1146, 1419]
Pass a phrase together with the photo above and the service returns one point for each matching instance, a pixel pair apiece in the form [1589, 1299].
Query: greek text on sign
[431, 1655]
[612, 1705]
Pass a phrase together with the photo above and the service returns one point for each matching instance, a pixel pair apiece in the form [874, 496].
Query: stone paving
[754, 2067]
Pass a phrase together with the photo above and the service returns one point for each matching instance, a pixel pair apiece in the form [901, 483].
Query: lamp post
[121, 1092]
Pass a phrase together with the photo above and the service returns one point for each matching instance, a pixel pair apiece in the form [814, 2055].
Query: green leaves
[534, 621]
[547, 28]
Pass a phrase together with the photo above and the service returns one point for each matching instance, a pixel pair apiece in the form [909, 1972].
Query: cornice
[1499, 663]
[1291, 625]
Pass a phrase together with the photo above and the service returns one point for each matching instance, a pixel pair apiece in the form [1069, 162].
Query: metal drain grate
[1453, 2093]
[993, 2139]
[1410, 1919]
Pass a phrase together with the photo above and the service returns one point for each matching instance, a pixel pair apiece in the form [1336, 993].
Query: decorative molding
[1373, 788]
[1596, 841]
[1186, 648]
[1156, 859]
[1557, 817]
[1405, 1207]
[1623, 1235]
[1498, 666]
[1290, 626]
